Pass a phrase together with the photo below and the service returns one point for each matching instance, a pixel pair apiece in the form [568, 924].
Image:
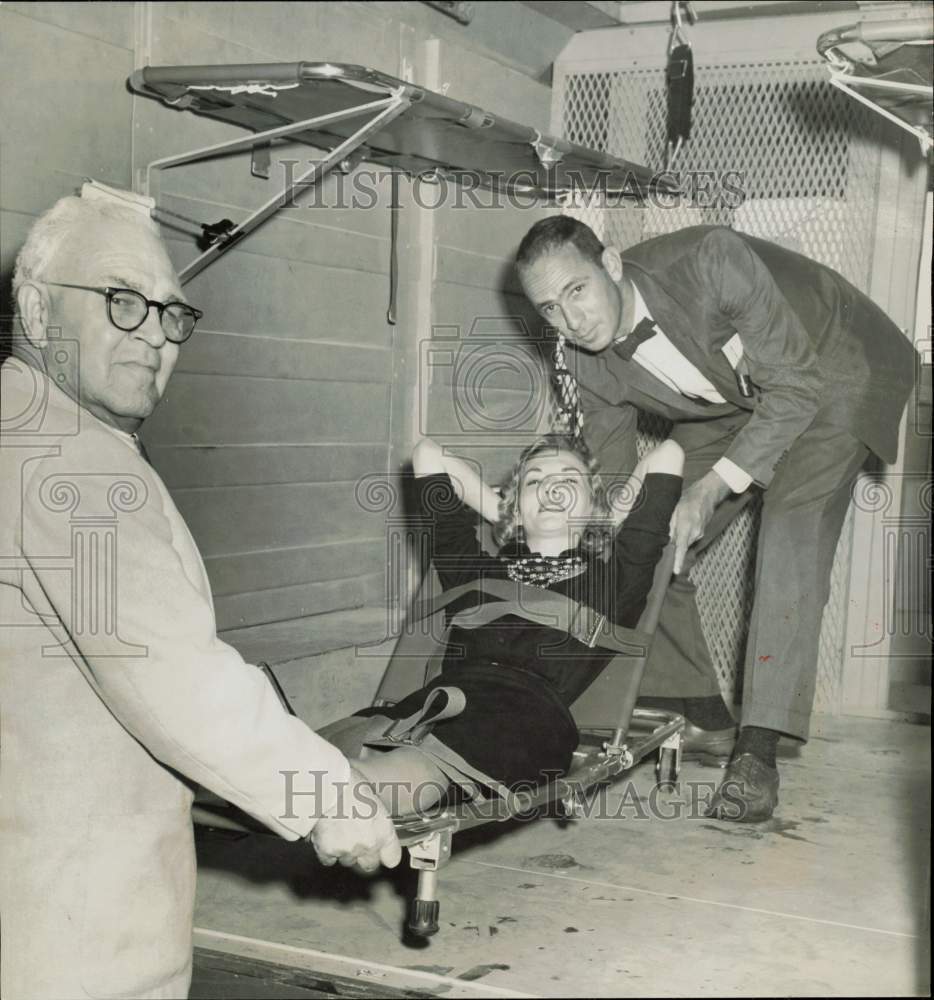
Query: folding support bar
[900, 88]
[392, 108]
[919, 132]
[257, 138]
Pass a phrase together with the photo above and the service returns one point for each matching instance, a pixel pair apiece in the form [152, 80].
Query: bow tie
[645, 329]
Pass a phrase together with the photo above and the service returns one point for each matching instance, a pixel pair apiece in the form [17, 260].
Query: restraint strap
[415, 733]
[545, 607]
[443, 703]
[513, 598]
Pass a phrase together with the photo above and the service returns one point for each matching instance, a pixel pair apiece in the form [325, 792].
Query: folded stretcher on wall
[614, 736]
[886, 64]
[407, 129]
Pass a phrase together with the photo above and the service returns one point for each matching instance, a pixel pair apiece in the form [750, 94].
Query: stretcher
[360, 115]
[886, 65]
[614, 737]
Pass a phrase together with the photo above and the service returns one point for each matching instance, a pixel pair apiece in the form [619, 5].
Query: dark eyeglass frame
[109, 292]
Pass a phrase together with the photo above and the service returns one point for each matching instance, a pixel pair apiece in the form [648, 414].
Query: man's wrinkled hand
[693, 514]
[360, 835]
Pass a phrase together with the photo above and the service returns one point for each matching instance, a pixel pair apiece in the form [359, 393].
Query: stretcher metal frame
[867, 61]
[428, 839]
[617, 738]
[410, 130]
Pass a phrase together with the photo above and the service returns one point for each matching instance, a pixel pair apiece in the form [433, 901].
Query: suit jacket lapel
[678, 321]
[617, 380]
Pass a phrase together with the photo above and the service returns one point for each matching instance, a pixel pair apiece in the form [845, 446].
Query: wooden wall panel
[263, 356]
[110, 22]
[246, 464]
[54, 132]
[202, 409]
[277, 516]
[496, 88]
[265, 569]
[306, 599]
[283, 297]
[464, 305]
[487, 224]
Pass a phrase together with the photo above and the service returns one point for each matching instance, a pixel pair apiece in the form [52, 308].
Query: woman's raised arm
[667, 457]
[430, 459]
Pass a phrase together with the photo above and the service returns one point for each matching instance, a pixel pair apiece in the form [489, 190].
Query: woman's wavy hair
[595, 535]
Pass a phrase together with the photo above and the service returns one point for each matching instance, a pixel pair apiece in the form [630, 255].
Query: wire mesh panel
[776, 152]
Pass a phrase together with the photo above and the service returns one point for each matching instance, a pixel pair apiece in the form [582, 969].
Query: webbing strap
[414, 733]
[545, 607]
[443, 703]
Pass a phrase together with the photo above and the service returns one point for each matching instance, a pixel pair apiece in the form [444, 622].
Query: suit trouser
[802, 515]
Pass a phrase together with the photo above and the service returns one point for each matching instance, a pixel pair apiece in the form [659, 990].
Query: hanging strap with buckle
[679, 77]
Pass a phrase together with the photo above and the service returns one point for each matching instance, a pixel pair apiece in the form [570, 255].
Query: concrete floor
[829, 898]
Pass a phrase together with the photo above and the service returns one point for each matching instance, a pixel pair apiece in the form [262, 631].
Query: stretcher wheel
[666, 769]
[423, 917]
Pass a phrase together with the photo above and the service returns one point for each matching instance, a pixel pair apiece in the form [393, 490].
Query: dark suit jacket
[813, 342]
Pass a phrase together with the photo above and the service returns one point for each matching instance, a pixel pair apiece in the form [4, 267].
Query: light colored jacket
[116, 697]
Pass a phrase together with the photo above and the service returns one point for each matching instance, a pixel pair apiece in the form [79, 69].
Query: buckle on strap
[586, 625]
[443, 703]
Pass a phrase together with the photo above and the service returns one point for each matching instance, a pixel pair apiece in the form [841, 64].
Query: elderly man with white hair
[117, 695]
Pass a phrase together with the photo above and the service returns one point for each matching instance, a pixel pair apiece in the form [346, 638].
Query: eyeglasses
[128, 309]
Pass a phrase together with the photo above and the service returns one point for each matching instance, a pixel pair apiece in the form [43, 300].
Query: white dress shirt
[659, 356]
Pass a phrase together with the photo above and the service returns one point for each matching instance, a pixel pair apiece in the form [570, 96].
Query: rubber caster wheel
[423, 918]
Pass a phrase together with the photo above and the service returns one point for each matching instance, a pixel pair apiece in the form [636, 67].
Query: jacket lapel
[679, 322]
[617, 380]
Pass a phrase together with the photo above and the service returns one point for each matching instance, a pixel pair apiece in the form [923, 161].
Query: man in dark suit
[779, 375]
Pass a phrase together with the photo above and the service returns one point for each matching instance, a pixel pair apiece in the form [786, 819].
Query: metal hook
[677, 31]
[677, 15]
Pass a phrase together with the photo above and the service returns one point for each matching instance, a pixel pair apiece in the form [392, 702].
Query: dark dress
[520, 677]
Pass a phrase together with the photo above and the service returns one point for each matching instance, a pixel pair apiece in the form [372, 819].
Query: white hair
[54, 226]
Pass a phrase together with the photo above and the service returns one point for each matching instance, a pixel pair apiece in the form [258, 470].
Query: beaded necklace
[543, 571]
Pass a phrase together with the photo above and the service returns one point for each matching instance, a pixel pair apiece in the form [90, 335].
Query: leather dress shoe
[748, 792]
[709, 746]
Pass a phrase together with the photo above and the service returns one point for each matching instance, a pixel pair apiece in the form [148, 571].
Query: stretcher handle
[648, 620]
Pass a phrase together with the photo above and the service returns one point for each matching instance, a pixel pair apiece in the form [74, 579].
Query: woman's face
[554, 496]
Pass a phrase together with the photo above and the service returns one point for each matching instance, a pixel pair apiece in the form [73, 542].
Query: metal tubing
[901, 88]
[925, 141]
[594, 767]
[427, 885]
[234, 145]
[312, 176]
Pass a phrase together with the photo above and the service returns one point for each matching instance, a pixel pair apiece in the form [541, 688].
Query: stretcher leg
[427, 856]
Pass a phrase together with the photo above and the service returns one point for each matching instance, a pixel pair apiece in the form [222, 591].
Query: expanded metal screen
[776, 152]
